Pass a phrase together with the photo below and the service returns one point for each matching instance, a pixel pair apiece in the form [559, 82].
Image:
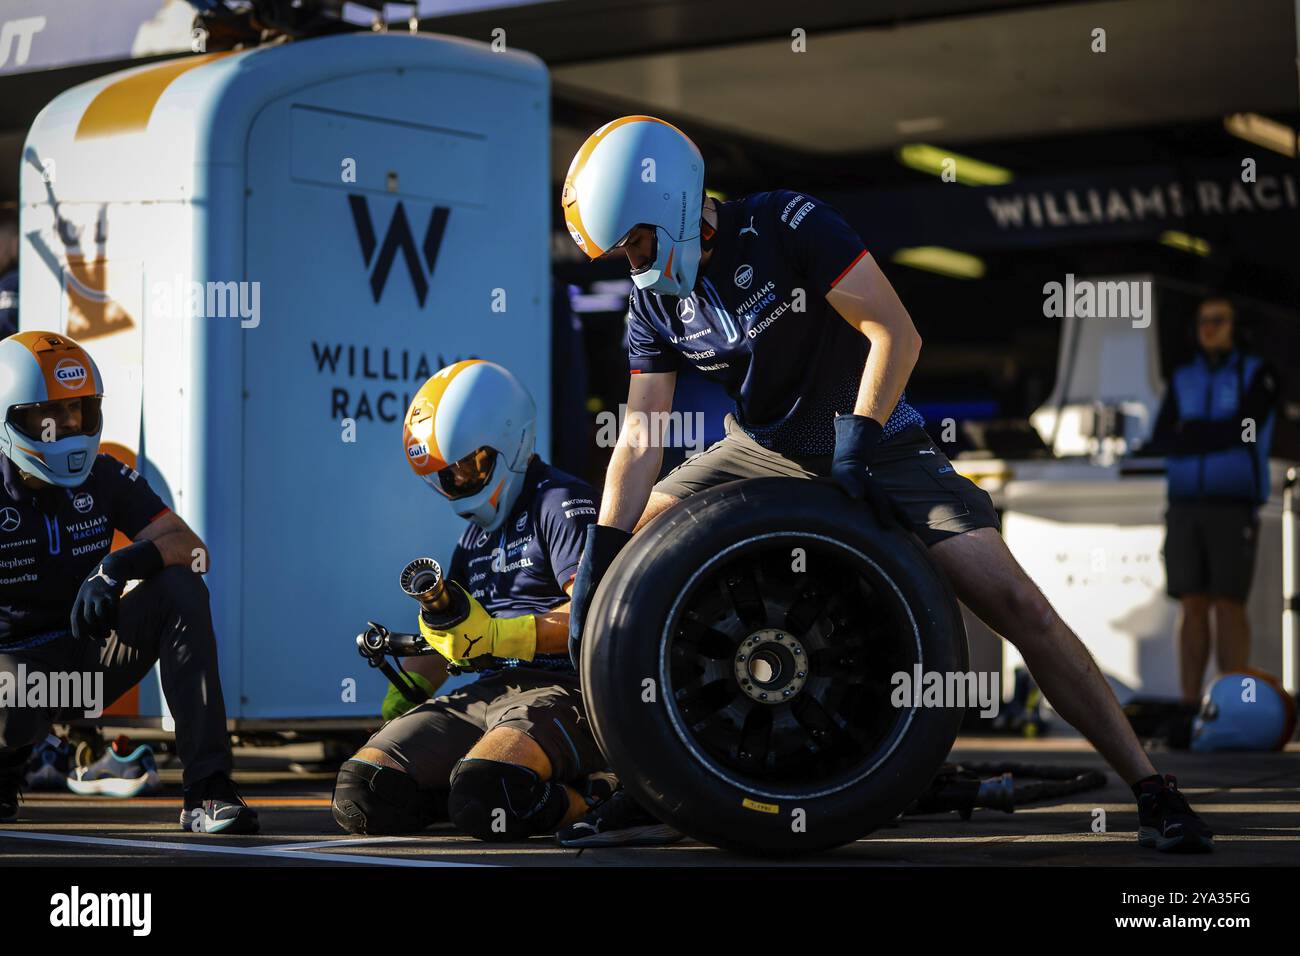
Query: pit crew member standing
[775, 296]
[62, 607]
[511, 755]
[1217, 479]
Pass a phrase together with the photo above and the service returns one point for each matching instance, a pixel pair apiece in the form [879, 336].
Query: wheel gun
[441, 607]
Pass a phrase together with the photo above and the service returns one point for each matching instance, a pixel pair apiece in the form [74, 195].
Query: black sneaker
[1166, 822]
[213, 806]
[11, 793]
[619, 821]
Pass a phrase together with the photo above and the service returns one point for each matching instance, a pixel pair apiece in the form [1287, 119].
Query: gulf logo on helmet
[70, 373]
[577, 237]
[417, 452]
[418, 430]
[67, 369]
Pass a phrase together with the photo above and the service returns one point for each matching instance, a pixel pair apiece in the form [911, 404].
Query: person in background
[1215, 426]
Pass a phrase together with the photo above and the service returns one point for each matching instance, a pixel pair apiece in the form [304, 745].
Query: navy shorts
[1210, 548]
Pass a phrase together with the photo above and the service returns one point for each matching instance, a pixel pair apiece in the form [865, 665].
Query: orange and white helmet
[469, 434]
[51, 393]
[639, 171]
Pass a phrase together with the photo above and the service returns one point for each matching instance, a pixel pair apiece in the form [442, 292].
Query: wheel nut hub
[771, 666]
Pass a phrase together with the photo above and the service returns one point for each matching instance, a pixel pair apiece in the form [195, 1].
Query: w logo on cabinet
[398, 238]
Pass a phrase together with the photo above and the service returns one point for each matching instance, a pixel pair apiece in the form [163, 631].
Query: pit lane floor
[1251, 800]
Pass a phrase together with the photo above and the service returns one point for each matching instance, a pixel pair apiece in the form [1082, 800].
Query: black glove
[603, 545]
[94, 612]
[856, 440]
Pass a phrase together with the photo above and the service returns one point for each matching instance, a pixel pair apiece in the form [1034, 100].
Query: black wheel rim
[808, 734]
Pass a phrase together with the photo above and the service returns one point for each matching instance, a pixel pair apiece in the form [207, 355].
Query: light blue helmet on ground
[50, 396]
[469, 434]
[639, 170]
[1244, 711]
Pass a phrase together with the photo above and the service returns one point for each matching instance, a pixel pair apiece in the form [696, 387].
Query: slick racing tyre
[738, 665]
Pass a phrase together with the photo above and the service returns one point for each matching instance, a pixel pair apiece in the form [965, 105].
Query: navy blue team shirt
[523, 566]
[788, 372]
[52, 539]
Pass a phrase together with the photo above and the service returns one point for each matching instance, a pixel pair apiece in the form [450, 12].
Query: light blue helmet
[1244, 711]
[50, 396]
[635, 170]
[469, 434]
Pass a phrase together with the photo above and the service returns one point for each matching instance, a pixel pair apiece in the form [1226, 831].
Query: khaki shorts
[938, 502]
[429, 739]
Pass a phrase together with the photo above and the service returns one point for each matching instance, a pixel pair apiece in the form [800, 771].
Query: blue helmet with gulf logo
[51, 392]
[632, 171]
[1247, 710]
[469, 434]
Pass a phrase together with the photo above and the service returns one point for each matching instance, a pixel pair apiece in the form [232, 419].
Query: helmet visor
[469, 475]
[640, 245]
[58, 418]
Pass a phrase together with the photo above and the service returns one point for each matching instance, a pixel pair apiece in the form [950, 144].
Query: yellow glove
[481, 633]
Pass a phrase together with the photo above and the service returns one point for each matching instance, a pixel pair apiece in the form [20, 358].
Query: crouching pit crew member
[776, 297]
[511, 755]
[62, 607]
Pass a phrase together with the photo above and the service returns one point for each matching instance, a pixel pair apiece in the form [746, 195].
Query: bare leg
[1193, 644]
[989, 580]
[378, 757]
[657, 503]
[507, 745]
[1231, 635]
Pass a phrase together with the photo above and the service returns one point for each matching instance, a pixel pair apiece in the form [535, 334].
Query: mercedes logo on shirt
[9, 519]
[686, 311]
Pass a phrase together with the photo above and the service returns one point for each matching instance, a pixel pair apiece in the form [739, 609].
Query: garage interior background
[1013, 84]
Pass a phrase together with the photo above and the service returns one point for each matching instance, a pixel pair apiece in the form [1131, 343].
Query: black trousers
[166, 619]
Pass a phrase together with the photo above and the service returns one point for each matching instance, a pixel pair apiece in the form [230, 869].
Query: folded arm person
[1175, 434]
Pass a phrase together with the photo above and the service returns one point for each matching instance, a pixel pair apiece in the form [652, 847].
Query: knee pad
[380, 800]
[498, 801]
